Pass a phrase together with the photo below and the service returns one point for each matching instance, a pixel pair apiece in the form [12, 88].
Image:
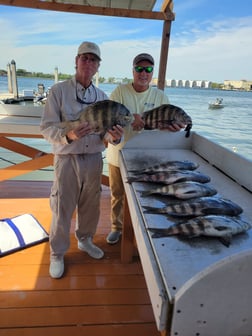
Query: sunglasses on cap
[147, 69]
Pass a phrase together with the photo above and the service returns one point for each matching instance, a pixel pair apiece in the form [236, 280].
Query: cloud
[221, 51]
[199, 49]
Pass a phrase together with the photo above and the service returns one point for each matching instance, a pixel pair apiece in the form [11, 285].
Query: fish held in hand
[198, 207]
[169, 177]
[167, 166]
[165, 115]
[183, 190]
[222, 227]
[101, 116]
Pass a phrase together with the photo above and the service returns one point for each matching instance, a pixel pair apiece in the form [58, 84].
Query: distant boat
[217, 104]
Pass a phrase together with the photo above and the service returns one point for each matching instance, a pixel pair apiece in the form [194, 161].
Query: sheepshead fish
[223, 227]
[169, 177]
[198, 207]
[183, 190]
[101, 116]
[167, 166]
[165, 115]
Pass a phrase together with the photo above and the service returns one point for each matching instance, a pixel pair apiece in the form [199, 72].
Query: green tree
[102, 79]
[111, 80]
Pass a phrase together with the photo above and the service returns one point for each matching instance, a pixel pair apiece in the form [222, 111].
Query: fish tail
[159, 233]
[150, 209]
[146, 193]
[188, 130]
[131, 179]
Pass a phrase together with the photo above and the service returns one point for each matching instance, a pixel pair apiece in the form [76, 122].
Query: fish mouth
[128, 118]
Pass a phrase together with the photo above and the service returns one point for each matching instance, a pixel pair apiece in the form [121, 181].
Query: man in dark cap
[138, 96]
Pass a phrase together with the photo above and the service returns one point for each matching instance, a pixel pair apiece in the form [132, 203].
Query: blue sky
[210, 40]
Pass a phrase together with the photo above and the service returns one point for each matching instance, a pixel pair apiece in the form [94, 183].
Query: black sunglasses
[147, 69]
[84, 100]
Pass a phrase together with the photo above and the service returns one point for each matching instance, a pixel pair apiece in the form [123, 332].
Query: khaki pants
[117, 197]
[77, 184]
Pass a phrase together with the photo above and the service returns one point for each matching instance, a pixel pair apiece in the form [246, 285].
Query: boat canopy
[137, 9]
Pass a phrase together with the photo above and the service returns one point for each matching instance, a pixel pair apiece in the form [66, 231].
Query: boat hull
[215, 106]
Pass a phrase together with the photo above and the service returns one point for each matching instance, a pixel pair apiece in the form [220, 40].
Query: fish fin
[146, 193]
[191, 235]
[220, 227]
[226, 240]
[131, 179]
[181, 215]
[146, 127]
[210, 211]
[150, 209]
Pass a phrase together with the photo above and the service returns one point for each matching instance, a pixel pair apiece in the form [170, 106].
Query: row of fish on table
[193, 200]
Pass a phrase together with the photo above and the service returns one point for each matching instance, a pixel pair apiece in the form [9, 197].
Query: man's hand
[79, 132]
[173, 127]
[138, 123]
[116, 132]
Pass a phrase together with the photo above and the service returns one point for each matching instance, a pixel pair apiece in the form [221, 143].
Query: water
[25, 83]
[230, 126]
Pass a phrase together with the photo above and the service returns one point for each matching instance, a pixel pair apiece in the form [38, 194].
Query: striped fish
[163, 116]
[101, 116]
[169, 177]
[167, 166]
[183, 190]
[223, 227]
[198, 207]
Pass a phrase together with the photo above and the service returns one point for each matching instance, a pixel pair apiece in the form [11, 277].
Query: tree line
[61, 76]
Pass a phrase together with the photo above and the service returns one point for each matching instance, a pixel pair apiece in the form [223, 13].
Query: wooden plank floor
[95, 297]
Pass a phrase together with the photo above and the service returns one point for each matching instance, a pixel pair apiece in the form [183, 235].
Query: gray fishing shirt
[63, 103]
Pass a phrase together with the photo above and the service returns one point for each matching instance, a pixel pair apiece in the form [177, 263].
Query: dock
[94, 297]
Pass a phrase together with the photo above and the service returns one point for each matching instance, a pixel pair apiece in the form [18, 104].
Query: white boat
[218, 104]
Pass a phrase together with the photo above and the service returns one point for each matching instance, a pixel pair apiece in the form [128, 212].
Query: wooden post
[164, 54]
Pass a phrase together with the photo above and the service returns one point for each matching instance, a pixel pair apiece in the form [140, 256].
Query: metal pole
[9, 76]
[56, 75]
[97, 79]
[14, 79]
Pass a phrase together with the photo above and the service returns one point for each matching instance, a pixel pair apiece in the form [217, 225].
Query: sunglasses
[147, 69]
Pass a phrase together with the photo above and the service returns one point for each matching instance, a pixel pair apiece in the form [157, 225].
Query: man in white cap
[138, 96]
[77, 159]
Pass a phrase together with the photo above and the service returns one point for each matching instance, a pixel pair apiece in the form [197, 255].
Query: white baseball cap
[89, 48]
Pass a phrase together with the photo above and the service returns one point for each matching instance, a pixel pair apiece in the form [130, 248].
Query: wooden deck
[95, 297]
